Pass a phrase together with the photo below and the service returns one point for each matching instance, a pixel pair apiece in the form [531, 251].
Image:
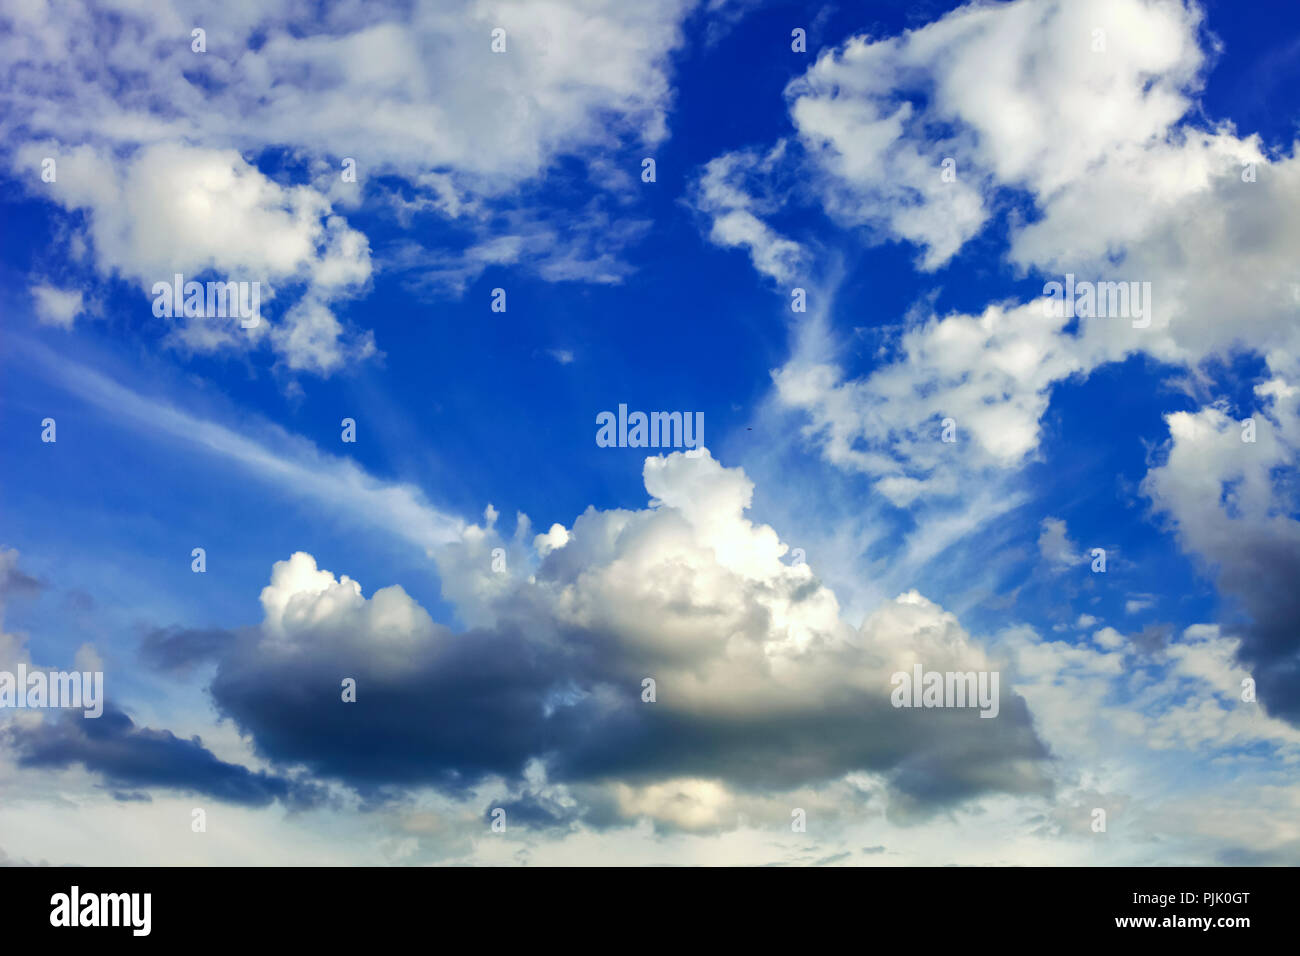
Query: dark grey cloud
[178, 649]
[121, 796]
[1247, 541]
[14, 582]
[476, 704]
[129, 757]
[761, 687]
[1261, 572]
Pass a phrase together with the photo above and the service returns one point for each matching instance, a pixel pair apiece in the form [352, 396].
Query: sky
[371, 582]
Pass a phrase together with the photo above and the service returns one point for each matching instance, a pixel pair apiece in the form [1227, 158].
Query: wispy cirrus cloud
[279, 459]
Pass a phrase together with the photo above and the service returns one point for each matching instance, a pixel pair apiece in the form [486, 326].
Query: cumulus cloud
[1026, 94]
[1131, 723]
[761, 687]
[128, 756]
[912, 136]
[112, 745]
[207, 213]
[766, 695]
[1086, 109]
[157, 142]
[416, 90]
[1231, 503]
[965, 397]
[1096, 703]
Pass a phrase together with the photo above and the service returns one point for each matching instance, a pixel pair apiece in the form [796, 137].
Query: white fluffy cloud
[157, 141]
[990, 374]
[55, 306]
[1136, 731]
[1055, 545]
[413, 90]
[725, 194]
[910, 136]
[746, 651]
[694, 588]
[762, 688]
[1016, 94]
[1085, 108]
[203, 212]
